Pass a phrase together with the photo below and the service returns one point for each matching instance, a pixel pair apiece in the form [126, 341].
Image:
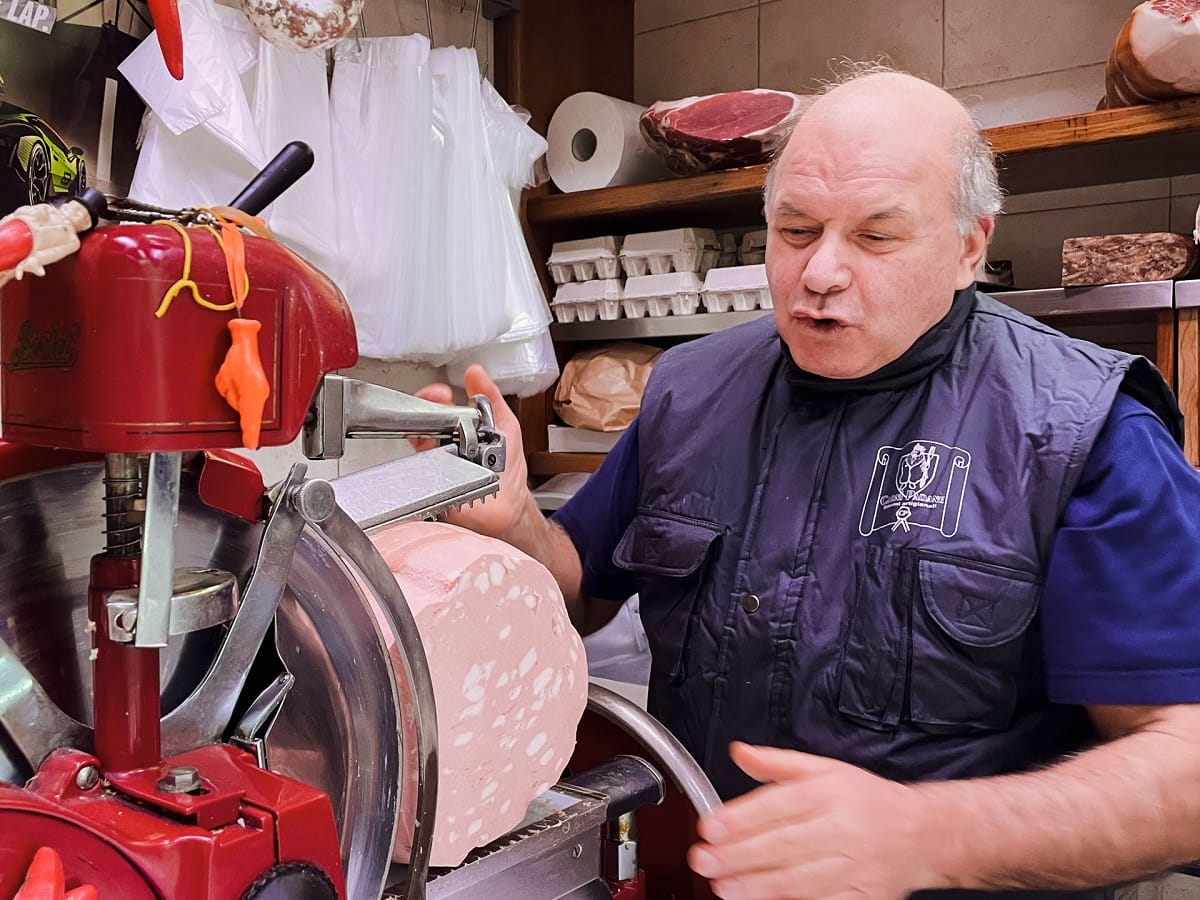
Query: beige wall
[1007, 60]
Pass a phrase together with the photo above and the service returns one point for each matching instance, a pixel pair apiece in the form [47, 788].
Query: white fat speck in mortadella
[509, 678]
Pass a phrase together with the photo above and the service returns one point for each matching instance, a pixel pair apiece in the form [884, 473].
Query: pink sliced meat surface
[738, 128]
[509, 679]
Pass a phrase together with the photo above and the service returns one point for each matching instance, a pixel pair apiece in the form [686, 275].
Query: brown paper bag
[601, 389]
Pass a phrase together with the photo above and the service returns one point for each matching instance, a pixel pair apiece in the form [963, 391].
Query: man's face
[863, 250]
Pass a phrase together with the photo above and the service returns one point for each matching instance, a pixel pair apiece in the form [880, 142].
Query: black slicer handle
[279, 174]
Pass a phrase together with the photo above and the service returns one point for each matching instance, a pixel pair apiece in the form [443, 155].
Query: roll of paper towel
[595, 142]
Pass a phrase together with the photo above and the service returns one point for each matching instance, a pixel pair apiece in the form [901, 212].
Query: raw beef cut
[720, 131]
[509, 679]
[1156, 55]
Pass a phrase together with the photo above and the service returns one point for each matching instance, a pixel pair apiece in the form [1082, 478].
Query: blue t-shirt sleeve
[1121, 601]
[597, 515]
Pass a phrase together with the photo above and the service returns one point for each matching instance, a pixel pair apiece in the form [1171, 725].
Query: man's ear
[974, 248]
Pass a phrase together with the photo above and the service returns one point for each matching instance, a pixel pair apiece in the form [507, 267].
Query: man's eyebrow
[787, 209]
[892, 212]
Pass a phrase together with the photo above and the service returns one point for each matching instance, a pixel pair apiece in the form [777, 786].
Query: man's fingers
[762, 809]
[783, 796]
[477, 381]
[765, 849]
[436, 393]
[768, 764]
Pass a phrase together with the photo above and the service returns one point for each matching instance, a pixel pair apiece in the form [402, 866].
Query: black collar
[925, 355]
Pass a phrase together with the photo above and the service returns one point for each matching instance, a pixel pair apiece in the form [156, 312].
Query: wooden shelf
[1105, 146]
[546, 463]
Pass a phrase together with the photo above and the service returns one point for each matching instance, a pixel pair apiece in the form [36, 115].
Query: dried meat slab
[1121, 258]
[721, 131]
[509, 679]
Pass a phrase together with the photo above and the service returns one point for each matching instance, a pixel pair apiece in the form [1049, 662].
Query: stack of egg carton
[664, 272]
[674, 272]
[588, 275]
[741, 287]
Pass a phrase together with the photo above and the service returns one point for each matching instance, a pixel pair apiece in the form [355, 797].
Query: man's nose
[827, 270]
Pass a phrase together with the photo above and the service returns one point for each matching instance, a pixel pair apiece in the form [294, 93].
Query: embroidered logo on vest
[917, 485]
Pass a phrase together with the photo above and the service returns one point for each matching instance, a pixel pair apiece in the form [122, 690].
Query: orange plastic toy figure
[45, 880]
[241, 379]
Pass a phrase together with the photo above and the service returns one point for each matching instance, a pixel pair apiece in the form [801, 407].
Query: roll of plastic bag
[291, 102]
[201, 144]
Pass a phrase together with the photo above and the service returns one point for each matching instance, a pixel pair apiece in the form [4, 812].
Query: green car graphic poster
[68, 120]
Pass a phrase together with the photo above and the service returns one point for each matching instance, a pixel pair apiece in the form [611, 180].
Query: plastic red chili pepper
[16, 243]
[170, 34]
[45, 880]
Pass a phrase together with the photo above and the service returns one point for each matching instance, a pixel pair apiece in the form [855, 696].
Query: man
[920, 565]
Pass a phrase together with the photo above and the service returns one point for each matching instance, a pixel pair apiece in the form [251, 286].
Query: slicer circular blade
[338, 730]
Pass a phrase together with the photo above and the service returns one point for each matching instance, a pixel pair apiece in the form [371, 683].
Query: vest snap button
[750, 603]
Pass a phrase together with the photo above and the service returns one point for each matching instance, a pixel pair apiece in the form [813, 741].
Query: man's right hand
[512, 515]
[505, 515]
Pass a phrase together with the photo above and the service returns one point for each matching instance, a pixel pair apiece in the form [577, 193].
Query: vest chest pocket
[669, 556]
[968, 639]
[936, 642]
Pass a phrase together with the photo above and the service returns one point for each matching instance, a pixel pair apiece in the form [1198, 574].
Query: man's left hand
[817, 828]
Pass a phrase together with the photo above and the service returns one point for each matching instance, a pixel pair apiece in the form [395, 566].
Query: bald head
[894, 95]
[909, 120]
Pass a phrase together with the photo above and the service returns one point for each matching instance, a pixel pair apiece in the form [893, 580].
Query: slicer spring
[122, 490]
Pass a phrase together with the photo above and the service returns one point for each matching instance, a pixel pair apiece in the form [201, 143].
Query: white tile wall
[719, 53]
[651, 14]
[988, 41]
[802, 41]
[1032, 97]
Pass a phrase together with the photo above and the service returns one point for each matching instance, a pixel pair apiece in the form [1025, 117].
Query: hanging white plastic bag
[382, 106]
[412, 175]
[241, 100]
[291, 103]
[465, 305]
[200, 144]
[522, 360]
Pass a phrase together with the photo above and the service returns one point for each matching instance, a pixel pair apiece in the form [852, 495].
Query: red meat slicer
[195, 686]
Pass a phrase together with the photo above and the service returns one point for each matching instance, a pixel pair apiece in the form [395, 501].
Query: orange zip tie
[241, 379]
[253, 224]
[234, 248]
